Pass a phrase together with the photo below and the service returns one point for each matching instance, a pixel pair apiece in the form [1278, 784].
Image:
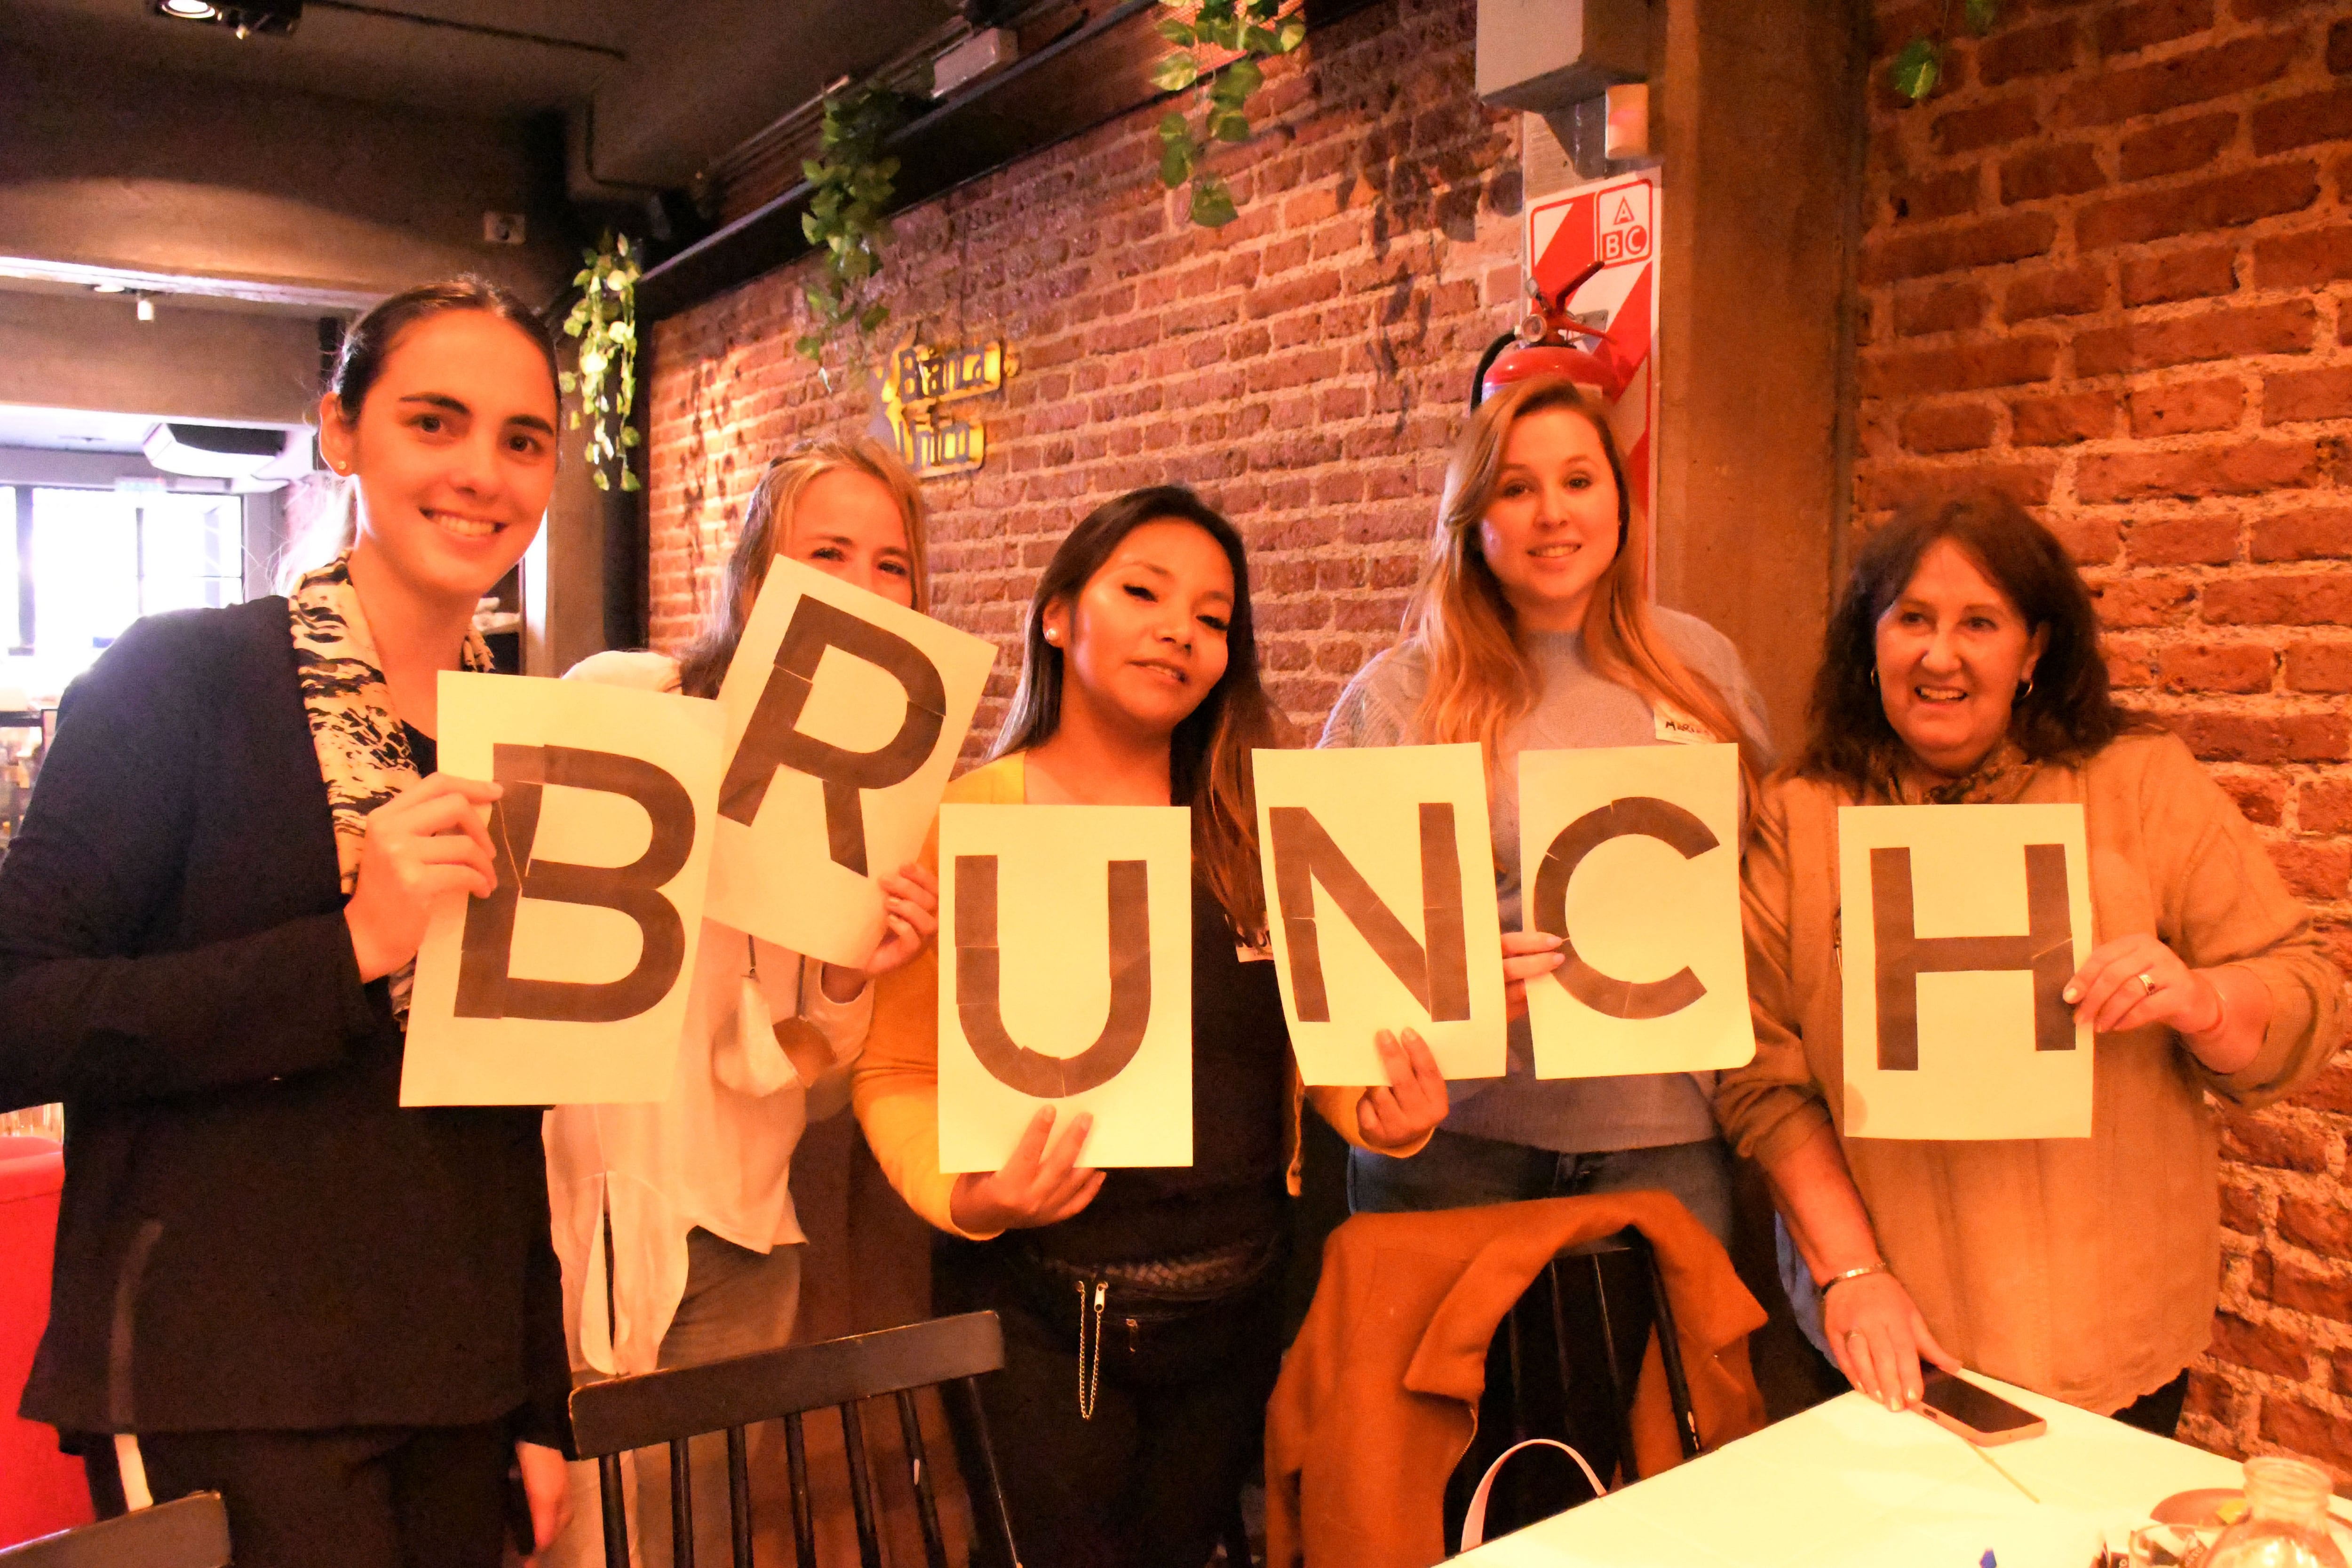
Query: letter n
[1438, 974]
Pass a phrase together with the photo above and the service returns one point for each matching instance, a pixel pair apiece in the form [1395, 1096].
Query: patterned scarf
[2001, 777]
[363, 751]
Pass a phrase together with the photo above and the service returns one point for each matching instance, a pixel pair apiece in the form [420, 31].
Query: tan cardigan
[2084, 1269]
[896, 1088]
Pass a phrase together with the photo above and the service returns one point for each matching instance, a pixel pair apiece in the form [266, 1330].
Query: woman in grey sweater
[1531, 630]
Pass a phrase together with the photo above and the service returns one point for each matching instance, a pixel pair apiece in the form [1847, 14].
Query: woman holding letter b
[1531, 630]
[272, 1281]
[1963, 665]
[1139, 687]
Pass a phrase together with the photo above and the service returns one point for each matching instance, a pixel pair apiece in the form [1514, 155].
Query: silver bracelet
[1834, 1280]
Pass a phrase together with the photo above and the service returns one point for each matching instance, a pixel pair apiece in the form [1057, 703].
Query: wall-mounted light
[106, 288]
[187, 10]
[146, 308]
[242, 17]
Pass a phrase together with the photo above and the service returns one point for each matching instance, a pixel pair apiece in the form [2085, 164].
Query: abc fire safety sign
[1615, 223]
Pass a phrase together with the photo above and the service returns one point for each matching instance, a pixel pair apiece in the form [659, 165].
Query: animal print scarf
[363, 751]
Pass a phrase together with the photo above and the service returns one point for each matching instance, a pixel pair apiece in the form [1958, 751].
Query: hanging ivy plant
[1254, 29]
[604, 319]
[844, 223]
[1920, 65]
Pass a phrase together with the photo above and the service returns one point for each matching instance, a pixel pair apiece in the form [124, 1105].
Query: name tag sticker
[1680, 729]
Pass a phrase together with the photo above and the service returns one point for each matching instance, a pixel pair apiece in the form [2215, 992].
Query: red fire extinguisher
[1545, 343]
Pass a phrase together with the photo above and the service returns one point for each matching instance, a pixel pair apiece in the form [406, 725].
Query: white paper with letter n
[1632, 853]
[1960, 926]
[1066, 979]
[845, 713]
[568, 985]
[1380, 890]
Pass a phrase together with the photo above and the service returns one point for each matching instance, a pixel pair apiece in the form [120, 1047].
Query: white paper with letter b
[845, 713]
[1961, 925]
[1066, 979]
[568, 985]
[1633, 854]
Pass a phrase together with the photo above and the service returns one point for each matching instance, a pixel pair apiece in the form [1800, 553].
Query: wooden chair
[1564, 1364]
[671, 1407]
[188, 1532]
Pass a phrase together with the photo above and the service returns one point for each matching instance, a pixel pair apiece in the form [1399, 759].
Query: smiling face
[1143, 642]
[453, 449]
[847, 524]
[1550, 531]
[1952, 652]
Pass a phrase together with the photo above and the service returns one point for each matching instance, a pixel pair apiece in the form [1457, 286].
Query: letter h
[2047, 948]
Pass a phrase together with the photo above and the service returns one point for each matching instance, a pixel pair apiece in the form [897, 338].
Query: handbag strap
[1473, 1523]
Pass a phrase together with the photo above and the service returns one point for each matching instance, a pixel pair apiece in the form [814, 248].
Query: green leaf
[1290, 34]
[629, 479]
[630, 435]
[597, 477]
[1225, 32]
[1177, 33]
[1916, 68]
[1175, 163]
[1235, 83]
[1176, 73]
[1981, 15]
[810, 346]
[1173, 127]
[1229, 125]
[1212, 205]
[871, 322]
[567, 381]
[1258, 40]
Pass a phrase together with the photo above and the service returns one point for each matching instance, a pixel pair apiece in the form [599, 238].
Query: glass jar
[2287, 1519]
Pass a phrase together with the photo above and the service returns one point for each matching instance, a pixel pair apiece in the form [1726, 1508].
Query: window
[87, 563]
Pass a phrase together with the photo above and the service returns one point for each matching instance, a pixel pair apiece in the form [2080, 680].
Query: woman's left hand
[547, 1483]
[1414, 1100]
[2136, 980]
[910, 917]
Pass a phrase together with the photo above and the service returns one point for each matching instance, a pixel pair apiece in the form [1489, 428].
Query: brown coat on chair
[1378, 1396]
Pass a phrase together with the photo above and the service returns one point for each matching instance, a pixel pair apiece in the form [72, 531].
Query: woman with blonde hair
[1531, 629]
[682, 1210]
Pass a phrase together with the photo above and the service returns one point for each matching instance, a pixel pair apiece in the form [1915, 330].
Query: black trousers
[1179, 1415]
[392, 1497]
[2158, 1412]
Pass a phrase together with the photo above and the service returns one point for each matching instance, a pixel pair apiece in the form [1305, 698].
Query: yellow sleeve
[1773, 1105]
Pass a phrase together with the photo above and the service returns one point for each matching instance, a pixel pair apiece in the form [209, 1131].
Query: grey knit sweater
[1577, 708]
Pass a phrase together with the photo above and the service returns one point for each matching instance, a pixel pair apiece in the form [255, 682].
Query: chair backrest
[188, 1532]
[670, 1407]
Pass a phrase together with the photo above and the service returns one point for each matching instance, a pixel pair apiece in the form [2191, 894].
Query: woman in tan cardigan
[1963, 665]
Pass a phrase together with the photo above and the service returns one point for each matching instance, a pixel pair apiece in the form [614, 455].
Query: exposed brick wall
[1303, 368]
[2108, 271]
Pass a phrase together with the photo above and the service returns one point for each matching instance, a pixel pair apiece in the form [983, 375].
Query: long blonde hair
[1481, 681]
[767, 526]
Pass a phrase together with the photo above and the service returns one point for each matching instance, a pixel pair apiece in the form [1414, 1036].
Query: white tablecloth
[1850, 1484]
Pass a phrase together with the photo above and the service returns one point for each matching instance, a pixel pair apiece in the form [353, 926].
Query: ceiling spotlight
[146, 308]
[106, 288]
[187, 10]
[242, 17]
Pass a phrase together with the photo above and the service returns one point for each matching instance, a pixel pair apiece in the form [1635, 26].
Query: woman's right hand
[424, 842]
[1878, 1338]
[1038, 1185]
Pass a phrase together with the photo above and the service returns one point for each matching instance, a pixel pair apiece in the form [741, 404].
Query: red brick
[2233, 737]
[2319, 666]
[2257, 1348]
[2060, 421]
[2261, 797]
[1886, 488]
[2196, 77]
[2307, 1429]
[2088, 539]
[2228, 334]
[2312, 533]
[2292, 122]
[2180, 275]
[2066, 292]
[2124, 28]
[2011, 238]
[2242, 1208]
[1942, 307]
[2067, 169]
[2177, 148]
[2184, 541]
[2225, 201]
[2007, 362]
[2257, 1139]
[2027, 51]
[1936, 195]
[2215, 667]
[2323, 1292]
[2295, 395]
[2301, 260]
[2325, 805]
[2322, 873]
[2186, 407]
[2311, 599]
[1948, 427]
[1990, 125]
[2331, 1091]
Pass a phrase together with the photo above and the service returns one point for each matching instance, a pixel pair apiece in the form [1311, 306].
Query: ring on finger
[2148, 985]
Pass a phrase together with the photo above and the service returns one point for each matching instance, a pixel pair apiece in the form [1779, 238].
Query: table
[1850, 1484]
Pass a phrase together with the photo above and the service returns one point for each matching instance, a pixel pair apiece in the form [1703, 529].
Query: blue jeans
[1458, 1171]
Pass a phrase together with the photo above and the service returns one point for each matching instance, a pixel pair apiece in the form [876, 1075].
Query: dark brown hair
[369, 340]
[2065, 715]
[767, 526]
[1208, 764]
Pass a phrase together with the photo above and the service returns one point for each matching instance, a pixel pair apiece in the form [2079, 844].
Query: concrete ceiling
[672, 84]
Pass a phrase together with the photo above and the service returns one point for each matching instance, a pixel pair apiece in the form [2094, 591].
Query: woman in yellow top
[1963, 665]
[1139, 687]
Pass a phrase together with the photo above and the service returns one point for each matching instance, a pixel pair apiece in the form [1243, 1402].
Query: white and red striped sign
[1615, 223]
